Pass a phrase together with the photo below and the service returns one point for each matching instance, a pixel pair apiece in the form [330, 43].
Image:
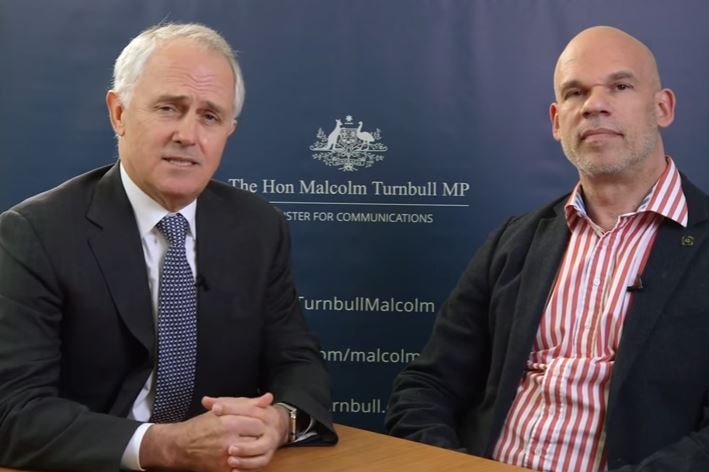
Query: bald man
[577, 339]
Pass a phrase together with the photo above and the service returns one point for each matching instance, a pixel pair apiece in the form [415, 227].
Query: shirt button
[596, 282]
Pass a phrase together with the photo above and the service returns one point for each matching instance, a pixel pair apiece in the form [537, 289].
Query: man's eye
[573, 93]
[166, 108]
[623, 86]
[211, 118]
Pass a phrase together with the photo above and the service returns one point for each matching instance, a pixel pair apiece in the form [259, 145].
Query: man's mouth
[180, 161]
[599, 133]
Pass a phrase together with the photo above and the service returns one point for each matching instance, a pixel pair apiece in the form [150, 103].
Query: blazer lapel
[117, 246]
[537, 276]
[216, 288]
[218, 268]
[212, 262]
[671, 255]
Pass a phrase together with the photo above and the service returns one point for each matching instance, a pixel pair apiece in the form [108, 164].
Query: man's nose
[186, 132]
[597, 102]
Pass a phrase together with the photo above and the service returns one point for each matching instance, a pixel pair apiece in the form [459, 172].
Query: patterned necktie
[177, 327]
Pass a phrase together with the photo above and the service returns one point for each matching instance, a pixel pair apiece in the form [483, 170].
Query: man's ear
[665, 107]
[554, 118]
[115, 112]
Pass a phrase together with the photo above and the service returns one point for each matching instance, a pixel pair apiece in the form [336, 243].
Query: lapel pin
[687, 240]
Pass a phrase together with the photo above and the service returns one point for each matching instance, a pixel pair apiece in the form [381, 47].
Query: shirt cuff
[301, 434]
[131, 456]
[308, 433]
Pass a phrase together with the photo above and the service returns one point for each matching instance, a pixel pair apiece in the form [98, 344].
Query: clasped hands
[235, 434]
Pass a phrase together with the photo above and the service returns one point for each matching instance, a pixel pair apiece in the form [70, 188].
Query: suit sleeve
[431, 393]
[689, 454]
[296, 371]
[38, 428]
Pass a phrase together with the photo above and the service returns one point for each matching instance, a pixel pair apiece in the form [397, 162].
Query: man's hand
[236, 434]
[254, 451]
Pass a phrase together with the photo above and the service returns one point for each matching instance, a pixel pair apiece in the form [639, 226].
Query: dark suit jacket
[77, 337]
[458, 392]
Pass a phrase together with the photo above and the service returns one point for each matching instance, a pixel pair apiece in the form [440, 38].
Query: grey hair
[130, 63]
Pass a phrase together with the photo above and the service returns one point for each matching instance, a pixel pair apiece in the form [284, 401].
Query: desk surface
[360, 450]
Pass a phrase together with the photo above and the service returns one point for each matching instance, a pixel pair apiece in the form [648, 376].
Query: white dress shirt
[147, 214]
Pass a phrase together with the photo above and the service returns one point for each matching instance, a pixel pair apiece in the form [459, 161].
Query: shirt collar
[148, 212]
[666, 198]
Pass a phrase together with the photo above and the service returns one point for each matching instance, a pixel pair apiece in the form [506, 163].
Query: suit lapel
[212, 266]
[210, 256]
[216, 288]
[673, 252]
[537, 276]
[540, 269]
[219, 228]
[117, 246]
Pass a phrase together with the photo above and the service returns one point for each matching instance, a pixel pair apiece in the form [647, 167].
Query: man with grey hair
[148, 317]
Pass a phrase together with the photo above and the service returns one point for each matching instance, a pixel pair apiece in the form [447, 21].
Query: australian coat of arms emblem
[348, 147]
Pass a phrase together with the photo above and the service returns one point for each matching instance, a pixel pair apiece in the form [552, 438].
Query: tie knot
[174, 228]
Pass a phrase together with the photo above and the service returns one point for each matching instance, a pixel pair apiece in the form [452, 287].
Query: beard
[613, 158]
[609, 160]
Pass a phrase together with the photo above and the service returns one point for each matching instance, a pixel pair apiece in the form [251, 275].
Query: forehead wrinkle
[187, 99]
[613, 76]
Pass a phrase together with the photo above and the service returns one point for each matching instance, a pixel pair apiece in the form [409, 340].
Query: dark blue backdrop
[459, 91]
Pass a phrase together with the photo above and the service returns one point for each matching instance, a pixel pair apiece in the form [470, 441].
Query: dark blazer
[458, 392]
[77, 337]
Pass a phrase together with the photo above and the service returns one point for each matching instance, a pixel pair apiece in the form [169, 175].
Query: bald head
[609, 106]
[612, 46]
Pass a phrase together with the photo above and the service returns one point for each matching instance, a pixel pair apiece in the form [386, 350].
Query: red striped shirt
[556, 422]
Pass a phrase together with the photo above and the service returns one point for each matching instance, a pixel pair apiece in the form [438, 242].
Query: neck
[608, 196]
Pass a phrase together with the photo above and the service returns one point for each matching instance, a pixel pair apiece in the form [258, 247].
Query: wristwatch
[292, 421]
